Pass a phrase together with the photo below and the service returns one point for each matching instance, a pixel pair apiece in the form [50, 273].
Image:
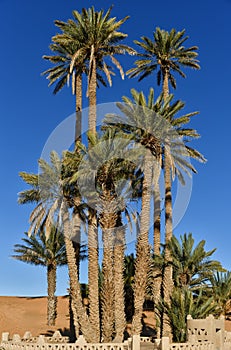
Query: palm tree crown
[99, 37]
[38, 250]
[167, 52]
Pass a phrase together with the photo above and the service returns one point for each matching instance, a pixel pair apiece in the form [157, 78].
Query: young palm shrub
[183, 303]
[192, 265]
[193, 271]
[220, 290]
[49, 252]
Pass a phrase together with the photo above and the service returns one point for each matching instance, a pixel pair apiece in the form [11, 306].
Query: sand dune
[21, 314]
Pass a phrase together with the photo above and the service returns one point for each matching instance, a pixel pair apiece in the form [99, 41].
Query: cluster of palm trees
[94, 186]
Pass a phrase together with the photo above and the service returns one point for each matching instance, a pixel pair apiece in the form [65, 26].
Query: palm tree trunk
[157, 221]
[76, 221]
[78, 130]
[76, 229]
[165, 84]
[93, 278]
[78, 108]
[75, 292]
[92, 98]
[156, 273]
[108, 292]
[167, 279]
[108, 220]
[51, 299]
[142, 249]
[93, 255]
[118, 264]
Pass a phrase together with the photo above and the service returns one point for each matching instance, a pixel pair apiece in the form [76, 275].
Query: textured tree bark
[92, 98]
[167, 283]
[108, 221]
[108, 292]
[142, 248]
[76, 221]
[51, 299]
[75, 292]
[76, 230]
[156, 273]
[78, 108]
[93, 263]
[118, 264]
[165, 83]
[93, 278]
[167, 280]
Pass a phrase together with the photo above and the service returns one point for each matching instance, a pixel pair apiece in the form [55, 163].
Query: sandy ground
[21, 314]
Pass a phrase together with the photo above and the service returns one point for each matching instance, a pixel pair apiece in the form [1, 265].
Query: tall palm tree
[63, 51]
[107, 164]
[52, 198]
[49, 252]
[98, 37]
[148, 123]
[166, 53]
[71, 167]
[138, 125]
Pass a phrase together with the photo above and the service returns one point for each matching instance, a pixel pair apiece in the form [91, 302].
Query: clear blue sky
[30, 112]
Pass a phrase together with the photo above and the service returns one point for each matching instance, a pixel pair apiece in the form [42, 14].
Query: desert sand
[21, 314]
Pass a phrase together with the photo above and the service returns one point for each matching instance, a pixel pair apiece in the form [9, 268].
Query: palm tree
[52, 198]
[49, 252]
[71, 167]
[148, 123]
[138, 121]
[60, 75]
[108, 163]
[98, 37]
[167, 54]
